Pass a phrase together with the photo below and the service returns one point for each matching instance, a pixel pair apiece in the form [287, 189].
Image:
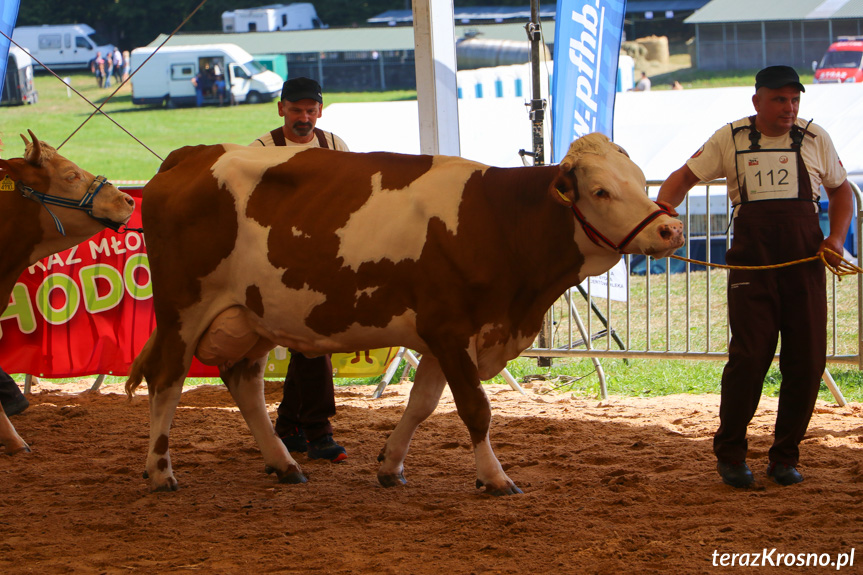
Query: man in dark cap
[774, 165]
[308, 399]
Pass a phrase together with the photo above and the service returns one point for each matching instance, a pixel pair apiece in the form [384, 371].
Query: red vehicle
[842, 63]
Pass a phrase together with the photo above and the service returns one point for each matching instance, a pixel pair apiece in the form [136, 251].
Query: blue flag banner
[8, 16]
[586, 48]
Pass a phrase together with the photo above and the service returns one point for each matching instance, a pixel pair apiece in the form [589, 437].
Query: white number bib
[771, 175]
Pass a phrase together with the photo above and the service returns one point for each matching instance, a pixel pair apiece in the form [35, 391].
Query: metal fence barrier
[677, 310]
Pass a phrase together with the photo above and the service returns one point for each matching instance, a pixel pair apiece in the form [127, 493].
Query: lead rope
[845, 268]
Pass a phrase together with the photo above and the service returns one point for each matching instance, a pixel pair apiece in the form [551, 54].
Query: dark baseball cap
[775, 77]
[301, 89]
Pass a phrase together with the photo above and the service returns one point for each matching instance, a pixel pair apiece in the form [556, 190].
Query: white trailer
[61, 46]
[272, 18]
[18, 87]
[166, 78]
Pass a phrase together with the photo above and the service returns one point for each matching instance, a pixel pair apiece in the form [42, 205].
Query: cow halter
[596, 236]
[84, 204]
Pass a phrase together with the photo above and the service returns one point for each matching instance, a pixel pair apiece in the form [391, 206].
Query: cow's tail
[136, 371]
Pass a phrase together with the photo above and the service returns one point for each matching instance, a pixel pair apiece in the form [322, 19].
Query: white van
[166, 78]
[62, 45]
[18, 86]
[272, 18]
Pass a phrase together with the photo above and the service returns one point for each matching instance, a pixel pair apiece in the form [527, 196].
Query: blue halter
[84, 204]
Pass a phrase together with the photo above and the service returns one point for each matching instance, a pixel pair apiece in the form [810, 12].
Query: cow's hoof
[509, 489]
[392, 480]
[14, 450]
[168, 487]
[295, 476]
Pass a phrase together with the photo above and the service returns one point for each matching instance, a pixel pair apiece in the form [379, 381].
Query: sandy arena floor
[623, 486]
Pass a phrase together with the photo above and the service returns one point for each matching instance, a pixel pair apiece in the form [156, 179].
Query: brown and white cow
[326, 251]
[33, 188]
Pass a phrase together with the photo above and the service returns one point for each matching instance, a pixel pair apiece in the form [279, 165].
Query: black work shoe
[735, 473]
[325, 447]
[295, 441]
[783, 474]
[16, 406]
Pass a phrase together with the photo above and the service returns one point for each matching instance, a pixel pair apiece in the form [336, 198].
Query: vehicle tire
[253, 98]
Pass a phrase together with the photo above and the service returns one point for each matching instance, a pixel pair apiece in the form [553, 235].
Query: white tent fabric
[659, 129]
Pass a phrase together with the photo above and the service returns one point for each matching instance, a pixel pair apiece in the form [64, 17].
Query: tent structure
[659, 129]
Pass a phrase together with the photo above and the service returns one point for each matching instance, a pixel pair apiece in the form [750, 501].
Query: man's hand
[834, 244]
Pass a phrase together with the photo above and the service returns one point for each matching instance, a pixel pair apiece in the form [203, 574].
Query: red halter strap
[596, 236]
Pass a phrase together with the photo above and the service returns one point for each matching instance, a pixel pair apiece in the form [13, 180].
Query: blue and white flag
[586, 49]
[8, 16]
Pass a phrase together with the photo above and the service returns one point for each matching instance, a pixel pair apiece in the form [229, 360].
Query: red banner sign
[87, 310]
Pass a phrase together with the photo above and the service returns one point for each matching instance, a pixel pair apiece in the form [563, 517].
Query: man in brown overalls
[774, 165]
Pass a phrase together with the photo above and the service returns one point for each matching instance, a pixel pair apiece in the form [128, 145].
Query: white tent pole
[437, 93]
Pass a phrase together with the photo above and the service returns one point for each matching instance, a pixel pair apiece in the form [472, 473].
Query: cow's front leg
[475, 410]
[9, 438]
[425, 394]
[163, 405]
[245, 381]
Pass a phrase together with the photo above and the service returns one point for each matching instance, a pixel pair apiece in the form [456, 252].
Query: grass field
[109, 151]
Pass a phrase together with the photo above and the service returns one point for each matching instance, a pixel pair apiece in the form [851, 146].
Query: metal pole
[537, 115]
[537, 104]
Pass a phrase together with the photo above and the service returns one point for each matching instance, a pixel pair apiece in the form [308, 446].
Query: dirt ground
[622, 486]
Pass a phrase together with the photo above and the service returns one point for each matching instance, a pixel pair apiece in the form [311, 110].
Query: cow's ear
[622, 151]
[563, 187]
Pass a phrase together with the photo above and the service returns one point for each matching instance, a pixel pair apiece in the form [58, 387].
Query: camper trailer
[61, 46]
[167, 76]
[272, 18]
[18, 87]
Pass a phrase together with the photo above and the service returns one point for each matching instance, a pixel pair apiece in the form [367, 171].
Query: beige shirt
[717, 157]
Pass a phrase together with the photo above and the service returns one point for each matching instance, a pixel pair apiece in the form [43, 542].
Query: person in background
[643, 85]
[202, 84]
[774, 165]
[308, 399]
[127, 65]
[117, 59]
[108, 69]
[97, 67]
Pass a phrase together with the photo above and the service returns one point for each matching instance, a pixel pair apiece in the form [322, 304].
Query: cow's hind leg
[164, 364]
[475, 410]
[425, 394]
[245, 381]
[9, 438]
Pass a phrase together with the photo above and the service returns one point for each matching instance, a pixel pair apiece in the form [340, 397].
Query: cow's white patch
[299, 233]
[393, 223]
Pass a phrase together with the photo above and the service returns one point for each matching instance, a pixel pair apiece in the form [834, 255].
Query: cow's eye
[600, 193]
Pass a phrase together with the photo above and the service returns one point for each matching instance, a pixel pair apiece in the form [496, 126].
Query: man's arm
[676, 186]
[839, 210]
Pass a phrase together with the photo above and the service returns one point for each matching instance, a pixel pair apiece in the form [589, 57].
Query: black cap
[775, 77]
[301, 89]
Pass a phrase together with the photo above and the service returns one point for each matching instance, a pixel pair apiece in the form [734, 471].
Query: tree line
[133, 23]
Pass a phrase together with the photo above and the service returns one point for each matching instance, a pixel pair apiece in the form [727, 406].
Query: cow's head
[44, 171]
[606, 192]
